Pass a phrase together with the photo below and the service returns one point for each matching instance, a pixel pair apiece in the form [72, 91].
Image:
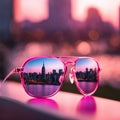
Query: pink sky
[37, 10]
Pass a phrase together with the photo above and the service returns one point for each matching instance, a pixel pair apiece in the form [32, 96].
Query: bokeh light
[84, 48]
[94, 35]
[115, 41]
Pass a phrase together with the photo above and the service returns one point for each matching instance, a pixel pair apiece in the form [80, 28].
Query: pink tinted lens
[42, 77]
[87, 75]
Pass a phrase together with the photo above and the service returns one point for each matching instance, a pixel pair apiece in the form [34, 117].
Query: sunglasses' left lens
[42, 77]
[87, 75]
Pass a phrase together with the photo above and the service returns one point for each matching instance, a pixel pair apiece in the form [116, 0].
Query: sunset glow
[37, 10]
[107, 8]
[84, 48]
[32, 10]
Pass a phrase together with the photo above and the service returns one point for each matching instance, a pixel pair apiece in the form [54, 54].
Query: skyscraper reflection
[89, 75]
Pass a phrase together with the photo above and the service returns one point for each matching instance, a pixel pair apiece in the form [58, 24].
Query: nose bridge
[70, 68]
[68, 60]
[69, 63]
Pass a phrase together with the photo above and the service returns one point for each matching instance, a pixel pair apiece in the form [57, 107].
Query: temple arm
[11, 72]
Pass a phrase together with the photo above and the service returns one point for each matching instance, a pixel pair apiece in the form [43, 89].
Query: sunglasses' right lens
[42, 77]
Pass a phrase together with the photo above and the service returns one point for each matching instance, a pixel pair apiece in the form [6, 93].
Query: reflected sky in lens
[85, 63]
[35, 65]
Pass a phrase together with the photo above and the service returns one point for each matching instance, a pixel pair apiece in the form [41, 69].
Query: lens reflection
[42, 76]
[87, 75]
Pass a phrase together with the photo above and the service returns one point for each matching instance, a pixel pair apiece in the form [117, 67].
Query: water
[41, 90]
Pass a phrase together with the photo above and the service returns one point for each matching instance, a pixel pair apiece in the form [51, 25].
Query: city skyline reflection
[88, 80]
[90, 75]
[43, 77]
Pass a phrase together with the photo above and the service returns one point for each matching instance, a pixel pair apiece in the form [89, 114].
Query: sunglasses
[44, 76]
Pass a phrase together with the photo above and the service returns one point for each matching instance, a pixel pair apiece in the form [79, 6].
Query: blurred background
[63, 27]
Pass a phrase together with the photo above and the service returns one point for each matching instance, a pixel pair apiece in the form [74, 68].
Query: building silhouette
[89, 75]
[119, 21]
[43, 69]
[60, 11]
[60, 17]
[6, 18]
[95, 23]
[43, 72]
